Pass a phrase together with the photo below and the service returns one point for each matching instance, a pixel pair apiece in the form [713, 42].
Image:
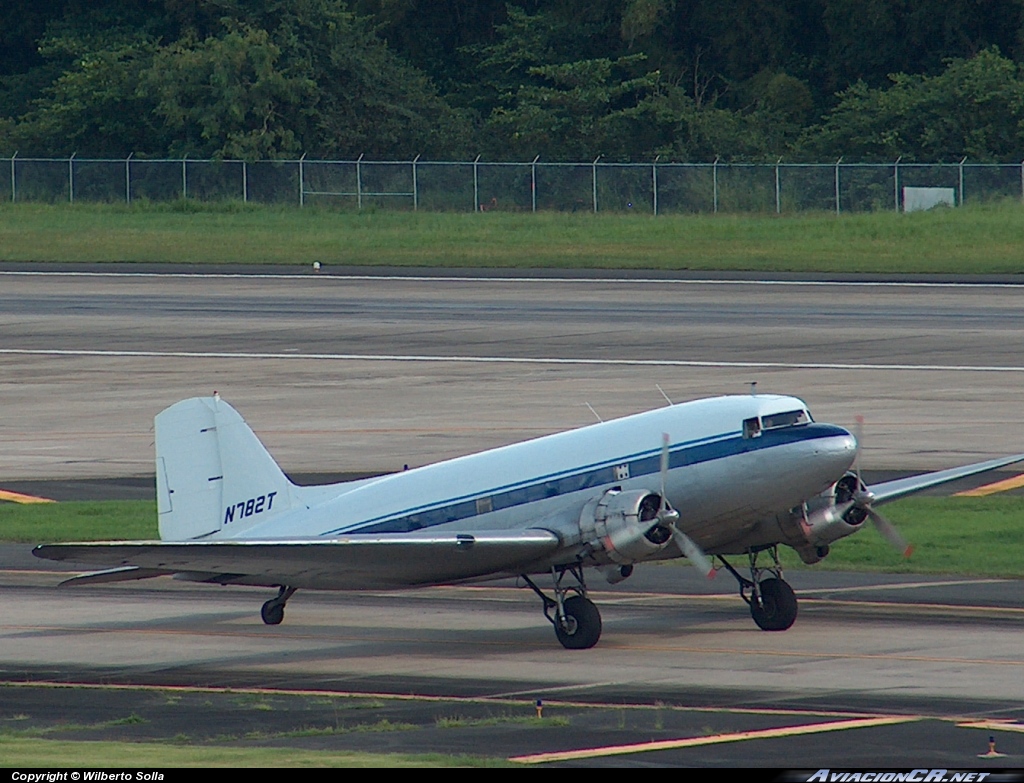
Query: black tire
[272, 612]
[777, 610]
[583, 624]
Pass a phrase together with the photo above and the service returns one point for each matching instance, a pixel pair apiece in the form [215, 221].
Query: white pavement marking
[526, 279]
[355, 357]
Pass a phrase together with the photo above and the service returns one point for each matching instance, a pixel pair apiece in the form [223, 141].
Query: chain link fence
[655, 188]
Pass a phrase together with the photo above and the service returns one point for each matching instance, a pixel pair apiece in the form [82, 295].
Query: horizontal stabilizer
[345, 563]
[888, 491]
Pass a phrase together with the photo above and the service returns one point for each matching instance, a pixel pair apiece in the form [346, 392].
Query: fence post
[714, 183]
[302, 183]
[245, 183]
[476, 184]
[128, 178]
[896, 181]
[415, 186]
[778, 194]
[184, 179]
[1021, 176]
[14, 190]
[71, 178]
[359, 182]
[533, 180]
[837, 182]
[962, 181]
[654, 183]
[594, 180]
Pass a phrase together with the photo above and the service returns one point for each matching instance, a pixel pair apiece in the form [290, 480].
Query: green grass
[460, 722]
[976, 536]
[43, 753]
[969, 240]
[981, 536]
[10, 730]
[78, 521]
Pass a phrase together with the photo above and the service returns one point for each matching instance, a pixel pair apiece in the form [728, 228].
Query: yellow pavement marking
[902, 586]
[993, 725]
[715, 739]
[17, 497]
[991, 489]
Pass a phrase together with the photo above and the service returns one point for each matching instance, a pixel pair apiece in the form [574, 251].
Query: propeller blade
[669, 516]
[863, 497]
[889, 532]
[693, 553]
[664, 471]
[858, 434]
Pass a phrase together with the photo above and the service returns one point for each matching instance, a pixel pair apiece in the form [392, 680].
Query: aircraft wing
[349, 562]
[888, 491]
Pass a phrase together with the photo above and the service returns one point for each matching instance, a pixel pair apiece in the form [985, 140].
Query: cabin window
[751, 427]
[787, 419]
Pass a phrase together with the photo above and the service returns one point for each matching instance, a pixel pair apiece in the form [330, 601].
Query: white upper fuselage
[723, 477]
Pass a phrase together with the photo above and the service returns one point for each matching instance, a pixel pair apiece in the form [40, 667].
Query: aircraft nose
[841, 449]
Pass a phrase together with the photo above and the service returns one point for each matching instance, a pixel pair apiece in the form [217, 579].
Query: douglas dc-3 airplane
[707, 479]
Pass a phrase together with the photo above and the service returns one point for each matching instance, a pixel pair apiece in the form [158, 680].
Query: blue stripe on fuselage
[590, 477]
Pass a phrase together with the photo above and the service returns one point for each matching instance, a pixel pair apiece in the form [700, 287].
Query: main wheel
[582, 627]
[272, 612]
[777, 610]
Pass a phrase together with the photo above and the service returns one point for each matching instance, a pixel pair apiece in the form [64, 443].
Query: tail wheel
[776, 611]
[582, 626]
[272, 612]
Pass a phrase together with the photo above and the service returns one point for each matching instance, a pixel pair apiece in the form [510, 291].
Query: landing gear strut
[273, 610]
[575, 617]
[772, 601]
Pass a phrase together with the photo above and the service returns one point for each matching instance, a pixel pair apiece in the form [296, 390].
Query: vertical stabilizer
[212, 472]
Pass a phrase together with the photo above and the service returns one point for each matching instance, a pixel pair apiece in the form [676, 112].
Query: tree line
[629, 80]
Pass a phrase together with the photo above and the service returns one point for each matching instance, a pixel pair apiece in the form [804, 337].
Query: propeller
[862, 499]
[668, 517]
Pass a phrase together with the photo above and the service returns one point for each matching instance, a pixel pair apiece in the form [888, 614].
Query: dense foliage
[564, 79]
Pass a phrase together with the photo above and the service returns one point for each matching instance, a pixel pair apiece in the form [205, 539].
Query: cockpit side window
[751, 427]
[787, 419]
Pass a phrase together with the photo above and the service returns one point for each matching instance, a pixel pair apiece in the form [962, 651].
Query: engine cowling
[835, 513]
[621, 527]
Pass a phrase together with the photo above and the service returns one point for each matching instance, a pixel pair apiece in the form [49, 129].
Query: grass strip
[981, 239]
[951, 535]
[106, 520]
[27, 752]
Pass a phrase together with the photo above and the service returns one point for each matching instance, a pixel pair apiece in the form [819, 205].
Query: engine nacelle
[620, 526]
[832, 515]
[829, 524]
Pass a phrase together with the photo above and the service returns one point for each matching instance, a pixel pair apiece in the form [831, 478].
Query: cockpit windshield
[787, 419]
[752, 428]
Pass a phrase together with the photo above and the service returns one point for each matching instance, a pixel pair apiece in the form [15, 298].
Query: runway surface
[345, 375]
[368, 375]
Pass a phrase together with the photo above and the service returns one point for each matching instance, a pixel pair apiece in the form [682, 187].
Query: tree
[95, 107]
[975, 108]
[227, 96]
